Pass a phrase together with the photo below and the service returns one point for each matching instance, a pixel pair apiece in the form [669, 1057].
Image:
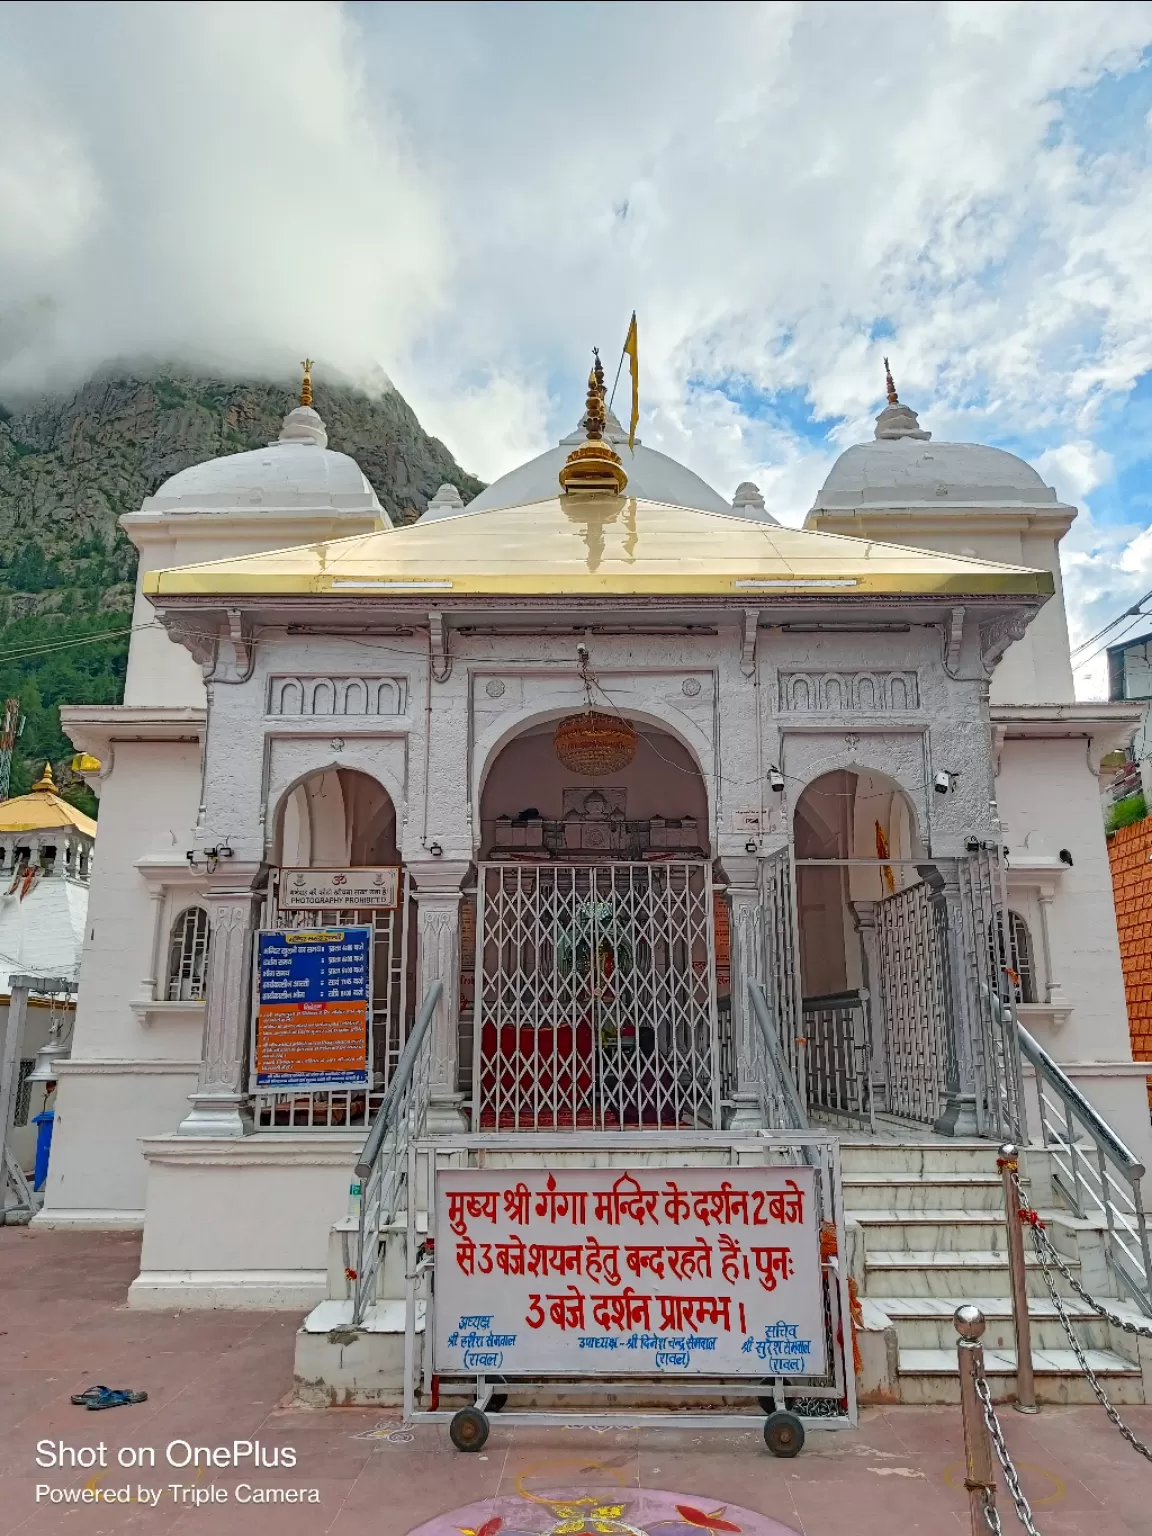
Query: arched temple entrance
[332, 821]
[903, 1007]
[873, 951]
[595, 996]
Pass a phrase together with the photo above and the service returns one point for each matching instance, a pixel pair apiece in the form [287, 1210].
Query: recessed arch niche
[336, 818]
[856, 814]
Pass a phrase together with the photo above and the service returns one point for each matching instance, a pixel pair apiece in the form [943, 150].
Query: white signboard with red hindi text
[649, 1271]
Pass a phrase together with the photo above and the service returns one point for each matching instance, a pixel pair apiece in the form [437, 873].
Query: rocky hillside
[70, 465]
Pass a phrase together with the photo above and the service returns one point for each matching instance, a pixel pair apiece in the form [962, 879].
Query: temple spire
[897, 420]
[893, 397]
[594, 465]
[306, 383]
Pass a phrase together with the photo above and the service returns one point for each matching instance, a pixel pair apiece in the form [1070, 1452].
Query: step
[933, 1231]
[951, 1273]
[926, 1158]
[932, 1376]
[915, 1192]
[926, 1322]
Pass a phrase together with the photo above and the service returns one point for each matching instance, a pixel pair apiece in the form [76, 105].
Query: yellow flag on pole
[630, 349]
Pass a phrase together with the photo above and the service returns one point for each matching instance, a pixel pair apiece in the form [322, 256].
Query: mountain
[70, 465]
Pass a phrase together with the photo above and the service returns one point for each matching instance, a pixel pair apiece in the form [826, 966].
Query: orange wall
[1130, 854]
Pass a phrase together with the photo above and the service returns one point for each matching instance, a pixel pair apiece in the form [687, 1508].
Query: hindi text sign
[313, 990]
[713, 1271]
[327, 890]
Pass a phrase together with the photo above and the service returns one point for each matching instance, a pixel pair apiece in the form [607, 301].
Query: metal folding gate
[936, 1019]
[595, 997]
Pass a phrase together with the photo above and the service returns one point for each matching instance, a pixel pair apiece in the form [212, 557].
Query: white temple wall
[1048, 800]
[131, 1065]
[881, 701]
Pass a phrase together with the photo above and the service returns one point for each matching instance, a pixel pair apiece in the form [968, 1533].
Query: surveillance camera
[942, 783]
[582, 651]
[972, 845]
[776, 780]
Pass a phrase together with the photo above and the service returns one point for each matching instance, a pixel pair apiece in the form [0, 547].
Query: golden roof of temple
[599, 545]
[42, 809]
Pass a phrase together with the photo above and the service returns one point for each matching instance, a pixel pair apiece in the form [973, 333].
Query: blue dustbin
[43, 1124]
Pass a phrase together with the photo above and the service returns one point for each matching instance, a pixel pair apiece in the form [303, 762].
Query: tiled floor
[215, 1377]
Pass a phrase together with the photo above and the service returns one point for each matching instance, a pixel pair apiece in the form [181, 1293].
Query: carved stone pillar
[438, 883]
[865, 916]
[746, 961]
[958, 1117]
[220, 1103]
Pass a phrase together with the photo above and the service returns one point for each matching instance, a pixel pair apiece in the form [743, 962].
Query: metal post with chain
[1008, 1166]
[983, 1435]
[1050, 1259]
[979, 1475]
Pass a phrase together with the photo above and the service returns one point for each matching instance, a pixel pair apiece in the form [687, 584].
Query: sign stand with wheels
[553, 1273]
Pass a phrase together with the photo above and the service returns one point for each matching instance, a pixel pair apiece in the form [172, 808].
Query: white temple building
[844, 760]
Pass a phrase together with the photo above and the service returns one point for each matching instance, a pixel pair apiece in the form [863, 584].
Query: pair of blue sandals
[107, 1397]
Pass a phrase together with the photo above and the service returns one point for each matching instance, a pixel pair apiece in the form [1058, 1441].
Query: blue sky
[464, 198]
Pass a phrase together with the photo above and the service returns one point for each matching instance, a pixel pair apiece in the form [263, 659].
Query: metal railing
[838, 1055]
[1093, 1170]
[382, 1168]
[781, 1101]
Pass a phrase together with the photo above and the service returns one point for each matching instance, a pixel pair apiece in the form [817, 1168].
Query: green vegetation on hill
[71, 465]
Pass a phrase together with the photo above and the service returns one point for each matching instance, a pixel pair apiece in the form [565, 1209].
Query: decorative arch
[523, 722]
[335, 816]
[856, 814]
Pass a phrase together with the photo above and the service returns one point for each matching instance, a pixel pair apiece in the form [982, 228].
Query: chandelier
[592, 744]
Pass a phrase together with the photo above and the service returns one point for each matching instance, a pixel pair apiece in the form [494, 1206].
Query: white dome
[652, 476]
[907, 472]
[296, 473]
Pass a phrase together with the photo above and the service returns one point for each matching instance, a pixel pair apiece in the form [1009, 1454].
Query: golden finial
[593, 466]
[46, 781]
[306, 386]
[595, 416]
[893, 397]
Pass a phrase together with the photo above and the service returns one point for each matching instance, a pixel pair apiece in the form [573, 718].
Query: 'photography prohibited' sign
[314, 990]
[713, 1271]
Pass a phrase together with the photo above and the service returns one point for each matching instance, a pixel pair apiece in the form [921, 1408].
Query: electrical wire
[1133, 612]
[1084, 661]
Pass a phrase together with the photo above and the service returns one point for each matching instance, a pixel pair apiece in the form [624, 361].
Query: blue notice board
[313, 1010]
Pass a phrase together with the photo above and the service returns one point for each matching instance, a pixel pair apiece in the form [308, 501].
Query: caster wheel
[783, 1434]
[469, 1429]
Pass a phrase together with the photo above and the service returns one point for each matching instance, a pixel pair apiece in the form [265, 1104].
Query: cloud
[213, 181]
[470, 195]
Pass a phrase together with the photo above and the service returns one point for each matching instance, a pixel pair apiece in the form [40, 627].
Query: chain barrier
[1040, 1237]
[1050, 1259]
[1011, 1476]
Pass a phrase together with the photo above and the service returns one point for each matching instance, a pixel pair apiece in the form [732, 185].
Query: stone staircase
[926, 1233]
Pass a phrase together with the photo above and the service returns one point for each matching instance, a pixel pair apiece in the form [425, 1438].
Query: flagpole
[619, 369]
